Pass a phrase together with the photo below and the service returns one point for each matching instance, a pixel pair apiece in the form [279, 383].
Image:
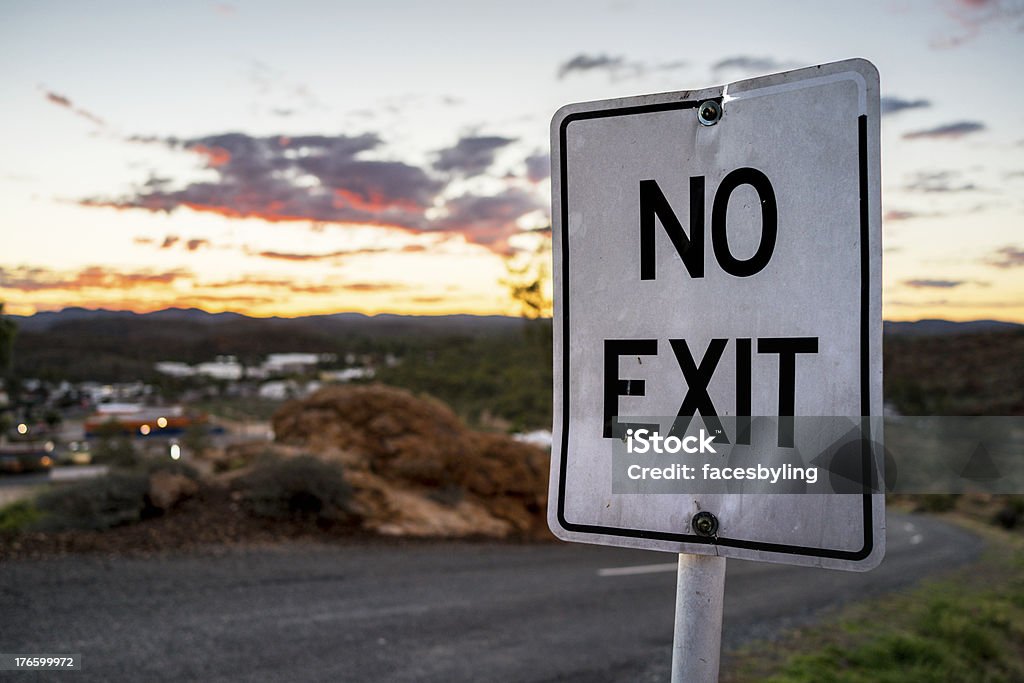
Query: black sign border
[865, 380]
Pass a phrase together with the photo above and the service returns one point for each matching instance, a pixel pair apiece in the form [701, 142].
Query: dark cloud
[292, 256]
[488, 219]
[471, 155]
[934, 284]
[59, 100]
[156, 181]
[892, 105]
[538, 167]
[584, 63]
[1007, 257]
[298, 256]
[939, 182]
[615, 66]
[300, 178]
[62, 101]
[39, 279]
[324, 179]
[949, 131]
[747, 64]
[169, 241]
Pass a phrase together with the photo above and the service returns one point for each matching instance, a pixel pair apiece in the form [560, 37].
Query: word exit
[697, 376]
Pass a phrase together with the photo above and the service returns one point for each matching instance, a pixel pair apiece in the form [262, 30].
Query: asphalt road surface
[415, 612]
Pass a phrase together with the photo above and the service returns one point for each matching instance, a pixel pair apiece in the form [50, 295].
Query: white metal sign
[718, 256]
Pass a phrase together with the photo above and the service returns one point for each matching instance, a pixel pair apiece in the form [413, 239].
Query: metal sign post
[697, 640]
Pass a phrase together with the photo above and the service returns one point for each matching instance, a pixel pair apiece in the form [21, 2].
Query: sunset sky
[319, 157]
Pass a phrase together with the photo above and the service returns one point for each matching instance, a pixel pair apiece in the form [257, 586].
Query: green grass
[968, 627]
[18, 516]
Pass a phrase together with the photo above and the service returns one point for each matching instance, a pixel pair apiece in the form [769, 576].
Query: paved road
[415, 612]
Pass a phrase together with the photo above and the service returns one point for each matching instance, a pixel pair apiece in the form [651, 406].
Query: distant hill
[937, 328]
[401, 324]
[356, 322]
[41, 322]
[78, 344]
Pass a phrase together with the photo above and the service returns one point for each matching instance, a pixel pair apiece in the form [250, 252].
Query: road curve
[416, 612]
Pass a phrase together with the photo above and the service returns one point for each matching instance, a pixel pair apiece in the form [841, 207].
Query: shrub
[102, 503]
[936, 502]
[238, 456]
[1009, 515]
[115, 451]
[300, 488]
[150, 467]
[18, 516]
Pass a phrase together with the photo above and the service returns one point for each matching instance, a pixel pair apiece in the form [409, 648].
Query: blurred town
[49, 423]
[64, 423]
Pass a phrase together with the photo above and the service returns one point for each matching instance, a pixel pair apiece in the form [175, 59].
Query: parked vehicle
[26, 457]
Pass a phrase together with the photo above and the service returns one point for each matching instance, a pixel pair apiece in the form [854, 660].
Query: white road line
[638, 569]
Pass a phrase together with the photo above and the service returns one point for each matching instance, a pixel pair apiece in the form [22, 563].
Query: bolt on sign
[717, 320]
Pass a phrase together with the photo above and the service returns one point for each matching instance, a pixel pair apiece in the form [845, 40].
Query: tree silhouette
[529, 280]
[8, 329]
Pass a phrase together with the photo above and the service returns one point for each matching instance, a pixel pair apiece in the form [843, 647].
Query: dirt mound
[415, 467]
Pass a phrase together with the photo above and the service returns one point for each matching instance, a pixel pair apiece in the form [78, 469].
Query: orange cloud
[371, 286]
[271, 179]
[372, 201]
[29, 289]
[93, 277]
[260, 282]
[215, 156]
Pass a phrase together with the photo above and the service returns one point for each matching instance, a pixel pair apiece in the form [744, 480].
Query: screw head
[704, 524]
[709, 113]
